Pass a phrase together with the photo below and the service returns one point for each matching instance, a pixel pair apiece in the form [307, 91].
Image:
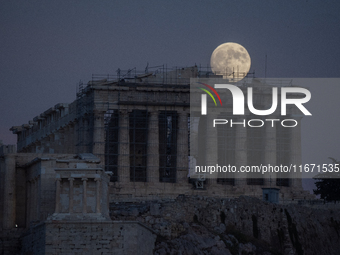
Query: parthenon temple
[126, 138]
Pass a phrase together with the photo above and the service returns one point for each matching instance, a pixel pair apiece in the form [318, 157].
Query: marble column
[57, 196]
[70, 202]
[240, 149]
[153, 148]
[98, 182]
[124, 148]
[270, 152]
[296, 156]
[182, 148]
[211, 148]
[84, 195]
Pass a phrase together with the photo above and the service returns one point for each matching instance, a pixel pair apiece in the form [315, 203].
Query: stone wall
[86, 237]
[137, 191]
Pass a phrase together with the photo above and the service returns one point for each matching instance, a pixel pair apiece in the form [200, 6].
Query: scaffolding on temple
[138, 124]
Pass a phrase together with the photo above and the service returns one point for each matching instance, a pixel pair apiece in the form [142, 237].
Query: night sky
[47, 47]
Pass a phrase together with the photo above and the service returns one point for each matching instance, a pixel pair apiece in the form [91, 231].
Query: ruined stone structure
[58, 204]
[124, 139]
[139, 129]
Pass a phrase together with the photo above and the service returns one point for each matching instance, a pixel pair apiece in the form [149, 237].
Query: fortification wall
[92, 238]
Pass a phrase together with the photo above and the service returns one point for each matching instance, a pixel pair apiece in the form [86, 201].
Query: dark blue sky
[46, 47]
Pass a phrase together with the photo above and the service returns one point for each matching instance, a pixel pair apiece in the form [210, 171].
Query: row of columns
[71, 194]
[182, 145]
[241, 150]
[152, 144]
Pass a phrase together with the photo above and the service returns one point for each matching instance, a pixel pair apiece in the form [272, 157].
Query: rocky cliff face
[199, 225]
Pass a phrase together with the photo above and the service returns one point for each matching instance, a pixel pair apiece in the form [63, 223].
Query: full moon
[231, 60]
